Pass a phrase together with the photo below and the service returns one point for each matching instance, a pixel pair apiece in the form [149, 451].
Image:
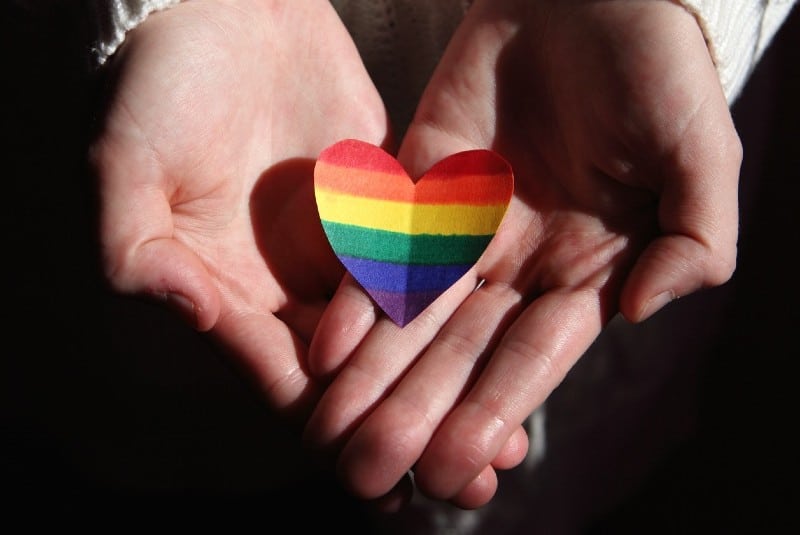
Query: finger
[139, 255]
[347, 319]
[303, 318]
[478, 492]
[456, 111]
[271, 356]
[141, 258]
[529, 363]
[164, 269]
[395, 434]
[698, 215]
[482, 489]
[371, 373]
[513, 451]
[397, 498]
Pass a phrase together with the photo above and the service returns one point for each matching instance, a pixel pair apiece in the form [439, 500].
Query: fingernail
[656, 303]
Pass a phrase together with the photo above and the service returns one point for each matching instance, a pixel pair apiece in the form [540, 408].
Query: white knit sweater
[390, 32]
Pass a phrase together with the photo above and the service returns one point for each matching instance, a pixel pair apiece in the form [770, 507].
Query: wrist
[737, 32]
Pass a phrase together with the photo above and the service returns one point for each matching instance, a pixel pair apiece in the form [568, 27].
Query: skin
[626, 166]
[204, 162]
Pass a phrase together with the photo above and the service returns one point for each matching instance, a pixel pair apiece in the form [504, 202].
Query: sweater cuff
[114, 18]
[737, 33]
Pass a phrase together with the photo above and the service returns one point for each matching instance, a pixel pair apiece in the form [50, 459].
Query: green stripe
[385, 246]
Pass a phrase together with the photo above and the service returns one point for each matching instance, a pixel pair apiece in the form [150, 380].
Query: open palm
[626, 168]
[205, 167]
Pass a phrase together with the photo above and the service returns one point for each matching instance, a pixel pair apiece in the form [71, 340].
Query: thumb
[167, 271]
[698, 215]
[140, 256]
[456, 112]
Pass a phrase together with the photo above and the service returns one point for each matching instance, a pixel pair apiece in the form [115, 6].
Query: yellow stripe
[409, 218]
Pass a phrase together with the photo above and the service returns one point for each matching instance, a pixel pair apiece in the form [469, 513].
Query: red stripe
[356, 168]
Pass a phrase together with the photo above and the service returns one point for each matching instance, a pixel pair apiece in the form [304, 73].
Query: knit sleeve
[114, 18]
[737, 33]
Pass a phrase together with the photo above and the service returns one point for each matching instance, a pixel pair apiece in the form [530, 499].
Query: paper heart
[406, 243]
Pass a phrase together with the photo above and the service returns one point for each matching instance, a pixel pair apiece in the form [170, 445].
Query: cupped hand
[204, 160]
[626, 165]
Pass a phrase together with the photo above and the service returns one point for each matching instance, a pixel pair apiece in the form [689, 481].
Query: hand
[205, 167]
[626, 166]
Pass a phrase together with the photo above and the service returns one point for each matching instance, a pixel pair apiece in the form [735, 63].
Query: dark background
[114, 414]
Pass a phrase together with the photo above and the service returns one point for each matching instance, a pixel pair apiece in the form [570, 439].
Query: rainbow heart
[406, 243]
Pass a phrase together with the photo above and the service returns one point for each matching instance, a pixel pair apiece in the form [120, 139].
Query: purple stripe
[403, 307]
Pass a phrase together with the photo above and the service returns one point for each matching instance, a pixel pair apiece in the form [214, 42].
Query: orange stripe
[433, 189]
